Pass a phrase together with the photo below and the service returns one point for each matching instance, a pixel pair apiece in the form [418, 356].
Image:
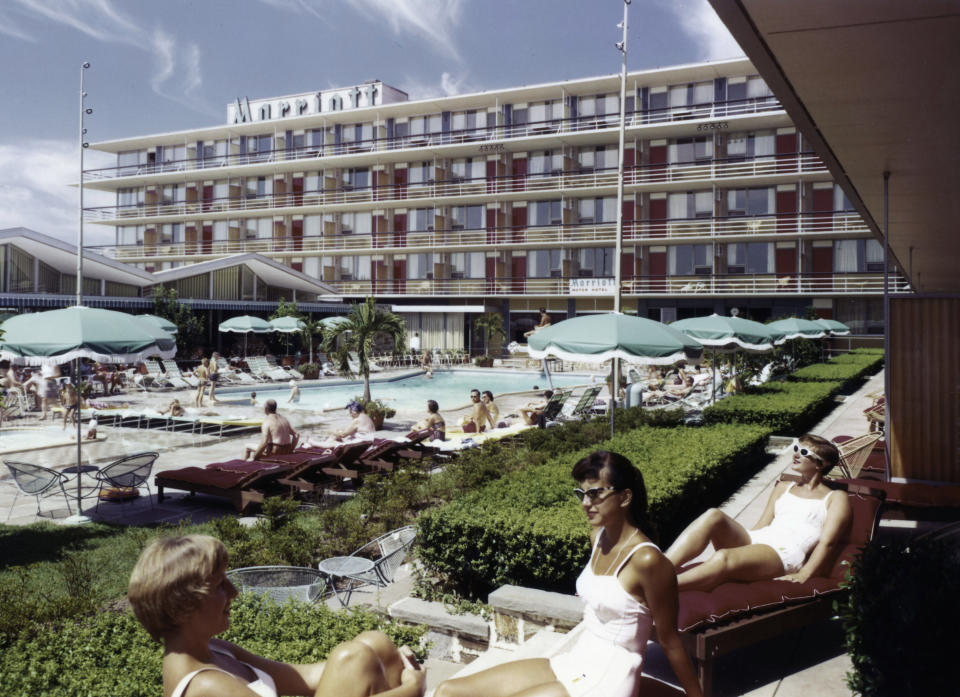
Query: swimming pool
[449, 388]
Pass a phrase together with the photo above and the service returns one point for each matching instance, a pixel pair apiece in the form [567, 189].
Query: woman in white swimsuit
[627, 586]
[180, 593]
[800, 528]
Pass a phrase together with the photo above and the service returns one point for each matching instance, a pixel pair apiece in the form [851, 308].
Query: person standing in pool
[214, 375]
[294, 393]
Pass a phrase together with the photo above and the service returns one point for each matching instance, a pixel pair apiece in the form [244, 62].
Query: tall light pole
[618, 249]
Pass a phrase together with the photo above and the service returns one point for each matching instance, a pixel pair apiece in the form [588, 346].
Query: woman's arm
[767, 516]
[656, 580]
[831, 539]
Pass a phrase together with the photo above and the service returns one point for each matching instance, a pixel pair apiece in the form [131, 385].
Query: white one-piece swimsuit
[263, 685]
[602, 656]
[795, 529]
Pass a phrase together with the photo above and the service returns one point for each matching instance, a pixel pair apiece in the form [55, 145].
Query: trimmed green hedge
[789, 408]
[111, 654]
[527, 528]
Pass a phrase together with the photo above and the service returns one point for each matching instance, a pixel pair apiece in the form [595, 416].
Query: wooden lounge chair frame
[240, 492]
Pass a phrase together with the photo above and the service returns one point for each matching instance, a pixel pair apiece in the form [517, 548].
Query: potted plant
[490, 325]
[377, 410]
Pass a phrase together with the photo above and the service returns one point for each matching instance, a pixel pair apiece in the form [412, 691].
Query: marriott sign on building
[373, 93]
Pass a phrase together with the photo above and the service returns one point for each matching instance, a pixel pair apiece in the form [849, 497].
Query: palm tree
[356, 335]
[311, 327]
[490, 325]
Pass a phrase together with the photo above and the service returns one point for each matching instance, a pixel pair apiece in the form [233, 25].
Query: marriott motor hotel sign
[243, 110]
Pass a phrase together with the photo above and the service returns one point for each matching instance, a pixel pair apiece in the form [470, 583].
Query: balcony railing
[769, 227]
[492, 187]
[713, 110]
[733, 284]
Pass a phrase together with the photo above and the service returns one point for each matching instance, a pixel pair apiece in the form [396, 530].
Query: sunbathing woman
[434, 421]
[627, 586]
[798, 518]
[180, 593]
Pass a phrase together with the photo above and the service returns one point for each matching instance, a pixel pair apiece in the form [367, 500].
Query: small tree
[357, 334]
[166, 304]
[287, 309]
[491, 326]
[310, 329]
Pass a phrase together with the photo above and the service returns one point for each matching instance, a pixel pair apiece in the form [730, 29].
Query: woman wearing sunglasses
[627, 586]
[802, 524]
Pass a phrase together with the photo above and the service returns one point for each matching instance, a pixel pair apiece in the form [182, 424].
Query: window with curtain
[760, 201]
[689, 259]
[677, 96]
[689, 150]
[586, 210]
[873, 253]
[840, 200]
[467, 265]
[703, 93]
[750, 257]
[595, 262]
[690, 204]
[420, 266]
[419, 173]
[312, 225]
[544, 213]
[545, 263]
[221, 230]
[845, 256]
[355, 268]
[757, 88]
[420, 219]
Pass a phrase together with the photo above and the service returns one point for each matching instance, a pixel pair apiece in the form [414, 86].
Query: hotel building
[506, 201]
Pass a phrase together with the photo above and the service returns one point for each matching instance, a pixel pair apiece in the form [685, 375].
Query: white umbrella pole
[546, 371]
[713, 382]
[613, 391]
[76, 382]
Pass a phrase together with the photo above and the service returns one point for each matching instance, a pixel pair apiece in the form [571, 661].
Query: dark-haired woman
[627, 586]
[433, 421]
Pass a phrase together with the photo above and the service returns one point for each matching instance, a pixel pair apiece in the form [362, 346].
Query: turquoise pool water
[449, 388]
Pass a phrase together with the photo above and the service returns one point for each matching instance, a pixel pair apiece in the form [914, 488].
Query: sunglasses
[593, 493]
[805, 452]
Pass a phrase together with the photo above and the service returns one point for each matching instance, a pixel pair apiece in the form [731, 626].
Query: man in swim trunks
[279, 438]
[477, 420]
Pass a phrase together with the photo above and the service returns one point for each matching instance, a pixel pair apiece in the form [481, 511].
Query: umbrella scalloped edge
[553, 352]
[69, 356]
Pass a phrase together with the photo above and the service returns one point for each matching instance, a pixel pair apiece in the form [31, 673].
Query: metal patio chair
[387, 553]
[130, 472]
[280, 582]
[37, 481]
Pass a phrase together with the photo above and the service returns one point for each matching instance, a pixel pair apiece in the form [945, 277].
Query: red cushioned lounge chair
[241, 481]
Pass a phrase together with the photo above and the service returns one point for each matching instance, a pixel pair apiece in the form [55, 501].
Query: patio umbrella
[162, 322]
[60, 336]
[796, 328]
[245, 324]
[165, 339]
[726, 334]
[286, 326]
[612, 335]
[834, 327]
[334, 321]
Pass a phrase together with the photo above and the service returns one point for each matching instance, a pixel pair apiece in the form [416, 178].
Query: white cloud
[698, 21]
[41, 197]
[100, 20]
[447, 86]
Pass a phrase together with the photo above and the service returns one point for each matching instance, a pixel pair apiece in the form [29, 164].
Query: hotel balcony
[764, 112]
[830, 225]
[732, 285]
[658, 178]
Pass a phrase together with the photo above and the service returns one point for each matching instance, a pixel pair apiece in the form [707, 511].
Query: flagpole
[618, 249]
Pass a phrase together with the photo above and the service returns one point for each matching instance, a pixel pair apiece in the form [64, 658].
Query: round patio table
[79, 471]
[349, 569]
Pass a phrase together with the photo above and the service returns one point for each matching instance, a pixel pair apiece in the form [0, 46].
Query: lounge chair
[37, 481]
[584, 406]
[158, 378]
[234, 375]
[289, 370]
[734, 615]
[261, 369]
[241, 481]
[854, 453]
[334, 471]
[130, 472]
[175, 374]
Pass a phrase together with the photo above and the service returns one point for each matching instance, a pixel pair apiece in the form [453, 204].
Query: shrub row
[851, 369]
[789, 408]
[110, 653]
[527, 528]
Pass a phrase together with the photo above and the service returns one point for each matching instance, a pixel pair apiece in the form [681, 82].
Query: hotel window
[129, 162]
[356, 178]
[467, 168]
[359, 223]
[170, 233]
[873, 252]
[355, 268]
[545, 213]
[750, 257]
[258, 187]
[467, 217]
[130, 197]
[312, 225]
[546, 263]
[595, 262]
[840, 200]
[466, 123]
[359, 133]
[690, 150]
[420, 219]
[221, 230]
[419, 173]
[172, 193]
[544, 163]
[171, 155]
[587, 109]
[846, 256]
[751, 145]
[657, 102]
[128, 235]
[690, 259]
[264, 228]
[420, 266]
[597, 210]
[259, 147]
[315, 139]
[690, 204]
[751, 201]
[744, 91]
[598, 157]
[545, 114]
[467, 265]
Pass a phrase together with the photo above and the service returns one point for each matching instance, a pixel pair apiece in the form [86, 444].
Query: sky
[176, 64]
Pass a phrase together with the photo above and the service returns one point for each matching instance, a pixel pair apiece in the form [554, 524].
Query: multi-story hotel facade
[506, 201]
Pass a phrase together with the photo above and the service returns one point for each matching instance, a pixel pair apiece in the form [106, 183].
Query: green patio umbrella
[726, 335]
[833, 326]
[165, 339]
[162, 322]
[796, 328]
[287, 325]
[612, 335]
[245, 324]
[331, 322]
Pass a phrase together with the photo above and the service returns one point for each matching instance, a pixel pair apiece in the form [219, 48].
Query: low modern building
[506, 201]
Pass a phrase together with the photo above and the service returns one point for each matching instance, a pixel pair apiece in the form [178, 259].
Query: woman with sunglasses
[800, 528]
[627, 586]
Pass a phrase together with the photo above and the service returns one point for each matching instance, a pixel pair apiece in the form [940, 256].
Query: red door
[296, 231]
[519, 225]
[491, 271]
[658, 217]
[400, 230]
[378, 228]
[626, 266]
[519, 174]
[518, 273]
[658, 271]
[822, 266]
[629, 161]
[786, 268]
[492, 182]
[298, 191]
[629, 213]
[207, 197]
[823, 210]
[399, 275]
[658, 163]
[492, 225]
[207, 240]
[378, 275]
[400, 184]
[786, 147]
[786, 212]
[379, 180]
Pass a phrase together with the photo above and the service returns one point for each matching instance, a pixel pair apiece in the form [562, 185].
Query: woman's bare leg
[352, 670]
[532, 677]
[713, 526]
[748, 563]
[387, 652]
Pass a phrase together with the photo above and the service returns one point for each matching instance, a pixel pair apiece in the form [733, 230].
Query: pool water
[15, 440]
[450, 389]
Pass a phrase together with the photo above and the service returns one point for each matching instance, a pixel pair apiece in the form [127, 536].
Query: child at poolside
[253, 399]
[294, 393]
[174, 408]
[91, 430]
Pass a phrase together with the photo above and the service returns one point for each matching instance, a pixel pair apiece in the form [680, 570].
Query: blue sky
[175, 64]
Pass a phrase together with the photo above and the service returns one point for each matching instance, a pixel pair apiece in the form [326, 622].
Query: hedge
[790, 408]
[111, 654]
[900, 619]
[527, 528]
